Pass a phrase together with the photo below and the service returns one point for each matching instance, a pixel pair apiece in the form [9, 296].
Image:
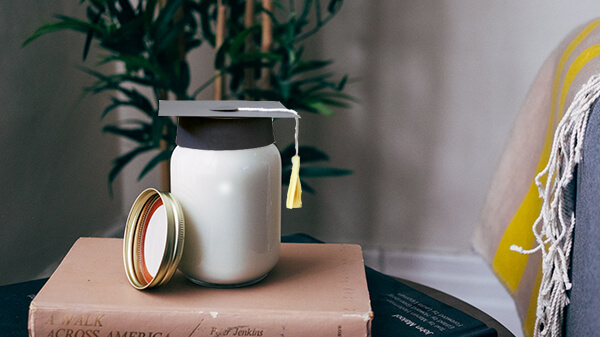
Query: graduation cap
[233, 125]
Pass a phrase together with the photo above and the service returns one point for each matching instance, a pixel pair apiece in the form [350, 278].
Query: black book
[400, 310]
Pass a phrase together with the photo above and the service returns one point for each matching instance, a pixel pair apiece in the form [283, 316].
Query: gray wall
[440, 85]
[53, 156]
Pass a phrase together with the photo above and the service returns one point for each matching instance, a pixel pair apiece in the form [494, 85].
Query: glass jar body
[231, 202]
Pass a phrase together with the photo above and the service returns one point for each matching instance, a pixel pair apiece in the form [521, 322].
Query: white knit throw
[553, 229]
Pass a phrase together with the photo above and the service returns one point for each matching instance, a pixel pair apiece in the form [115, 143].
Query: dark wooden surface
[15, 300]
[14, 304]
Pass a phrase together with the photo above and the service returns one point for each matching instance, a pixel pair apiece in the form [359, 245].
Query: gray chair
[583, 312]
[511, 205]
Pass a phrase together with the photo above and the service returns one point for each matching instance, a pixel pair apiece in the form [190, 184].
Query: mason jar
[229, 188]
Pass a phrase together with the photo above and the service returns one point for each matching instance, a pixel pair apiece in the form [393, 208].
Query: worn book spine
[99, 322]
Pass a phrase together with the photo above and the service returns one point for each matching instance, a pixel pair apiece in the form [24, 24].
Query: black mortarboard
[232, 125]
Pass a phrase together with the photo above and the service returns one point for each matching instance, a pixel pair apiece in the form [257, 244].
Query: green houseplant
[258, 56]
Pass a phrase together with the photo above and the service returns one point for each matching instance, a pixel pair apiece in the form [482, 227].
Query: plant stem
[181, 55]
[248, 22]
[165, 166]
[219, 38]
[266, 41]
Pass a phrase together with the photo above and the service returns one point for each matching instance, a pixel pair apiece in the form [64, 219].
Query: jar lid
[153, 241]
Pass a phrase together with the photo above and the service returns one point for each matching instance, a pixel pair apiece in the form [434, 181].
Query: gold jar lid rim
[147, 211]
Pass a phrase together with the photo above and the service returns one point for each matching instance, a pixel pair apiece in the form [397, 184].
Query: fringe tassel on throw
[553, 229]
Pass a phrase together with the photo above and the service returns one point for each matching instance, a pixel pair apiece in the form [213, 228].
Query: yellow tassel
[294, 197]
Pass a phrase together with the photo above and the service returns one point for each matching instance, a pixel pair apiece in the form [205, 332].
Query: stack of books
[315, 290]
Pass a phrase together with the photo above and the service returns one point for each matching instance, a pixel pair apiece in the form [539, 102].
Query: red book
[315, 290]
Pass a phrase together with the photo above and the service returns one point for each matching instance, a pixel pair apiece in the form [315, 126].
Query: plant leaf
[165, 38]
[121, 161]
[308, 154]
[182, 82]
[259, 94]
[205, 21]
[334, 6]
[113, 82]
[317, 79]
[305, 66]
[149, 13]
[140, 135]
[332, 94]
[161, 26]
[161, 156]
[204, 85]
[134, 63]
[302, 18]
[320, 107]
[94, 17]
[116, 103]
[126, 10]
[238, 42]
[136, 100]
[335, 103]
[254, 56]
[342, 83]
[67, 23]
[220, 56]
[307, 188]
[317, 171]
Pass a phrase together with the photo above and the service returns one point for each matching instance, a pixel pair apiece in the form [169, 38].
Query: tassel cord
[294, 197]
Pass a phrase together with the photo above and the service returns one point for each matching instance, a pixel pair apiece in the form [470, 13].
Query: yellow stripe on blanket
[508, 265]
